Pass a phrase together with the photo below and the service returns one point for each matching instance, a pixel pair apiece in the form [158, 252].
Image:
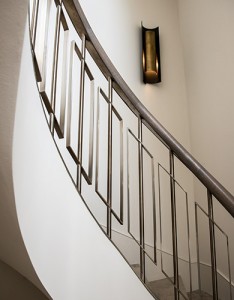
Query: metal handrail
[66, 15]
[213, 185]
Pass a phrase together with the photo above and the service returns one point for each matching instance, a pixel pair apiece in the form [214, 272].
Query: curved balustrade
[99, 124]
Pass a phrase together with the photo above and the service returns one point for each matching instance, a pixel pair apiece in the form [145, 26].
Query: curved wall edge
[70, 253]
[13, 253]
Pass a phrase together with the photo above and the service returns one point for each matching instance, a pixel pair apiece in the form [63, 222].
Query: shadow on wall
[14, 286]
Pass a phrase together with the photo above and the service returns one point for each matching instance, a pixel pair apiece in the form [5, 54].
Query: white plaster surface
[72, 256]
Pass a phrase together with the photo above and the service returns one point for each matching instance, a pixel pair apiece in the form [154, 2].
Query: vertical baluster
[55, 68]
[64, 78]
[33, 26]
[189, 243]
[212, 246]
[109, 166]
[229, 270]
[81, 116]
[141, 201]
[34, 18]
[198, 249]
[33, 33]
[174, 227]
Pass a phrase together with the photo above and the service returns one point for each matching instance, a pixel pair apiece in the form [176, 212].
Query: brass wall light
[151, 55]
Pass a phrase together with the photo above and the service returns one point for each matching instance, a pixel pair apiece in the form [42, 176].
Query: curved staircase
[121, 166]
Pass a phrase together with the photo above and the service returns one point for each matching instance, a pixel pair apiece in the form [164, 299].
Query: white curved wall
[71, 255]
[12, 249]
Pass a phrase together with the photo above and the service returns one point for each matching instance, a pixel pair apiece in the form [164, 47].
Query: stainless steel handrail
[216, 188]
[66, 15]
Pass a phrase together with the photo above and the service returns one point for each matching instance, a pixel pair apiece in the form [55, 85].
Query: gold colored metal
[151, 71]
[151, 55]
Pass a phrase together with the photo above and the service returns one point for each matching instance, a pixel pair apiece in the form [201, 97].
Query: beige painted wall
[207, 30]
[117, 26]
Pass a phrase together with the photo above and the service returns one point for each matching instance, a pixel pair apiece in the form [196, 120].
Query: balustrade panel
[136, 184]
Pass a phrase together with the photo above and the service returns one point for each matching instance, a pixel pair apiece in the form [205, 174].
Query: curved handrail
[216, 188]
[58, 89]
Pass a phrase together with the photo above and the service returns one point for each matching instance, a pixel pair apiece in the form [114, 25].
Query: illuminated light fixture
[151, 55]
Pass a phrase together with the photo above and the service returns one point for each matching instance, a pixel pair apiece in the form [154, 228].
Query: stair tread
[164, 289]
[196, 295]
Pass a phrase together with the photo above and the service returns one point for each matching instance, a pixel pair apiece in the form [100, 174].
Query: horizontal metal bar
[205, 213]
[161, 166]
[119, 219]
[142, 248]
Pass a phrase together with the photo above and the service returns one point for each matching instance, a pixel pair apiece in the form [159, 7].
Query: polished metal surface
[73, 49]
[226, 199]
[141, 201]
[63, 123]
[151, 55]
[189, 242]
[89, 174]
[174, 226]
[212, 246]
[81, 116]
[54, 72]
[44, 76]
[121, 163]
[34, 18]
[213, 265]
[198, 247]
[60, 123]
[176, 183]
[101, 95]
[109, 160]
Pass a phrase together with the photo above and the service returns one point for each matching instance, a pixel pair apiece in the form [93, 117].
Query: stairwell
[117, 175]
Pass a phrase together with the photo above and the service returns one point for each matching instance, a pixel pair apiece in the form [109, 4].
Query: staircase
[200, 296]
[125, 165]
[163, 288]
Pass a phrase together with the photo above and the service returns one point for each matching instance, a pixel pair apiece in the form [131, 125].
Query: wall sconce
[151, 55]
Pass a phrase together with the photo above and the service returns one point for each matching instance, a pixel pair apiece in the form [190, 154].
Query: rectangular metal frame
[73, 49]
[48, 99]
[119, 218]
[59, 124]
[89, 174]
[153, 196]
[188, 230]
[39, 70]
[198, 246]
